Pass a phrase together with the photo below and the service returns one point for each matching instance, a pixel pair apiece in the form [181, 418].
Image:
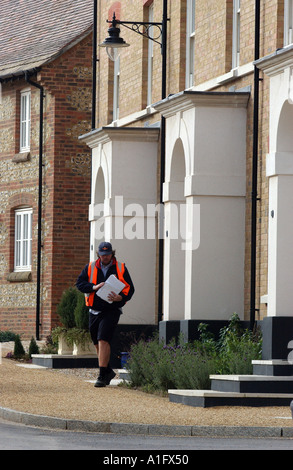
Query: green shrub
[7, 336]
[19, 351]
[65, 309]
[33, 347]
[238, 347]
[81, 314]
[155, 366]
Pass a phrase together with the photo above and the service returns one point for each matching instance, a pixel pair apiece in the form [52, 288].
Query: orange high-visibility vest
[93, 277]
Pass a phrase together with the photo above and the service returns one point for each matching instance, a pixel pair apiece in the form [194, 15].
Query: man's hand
[98, 286]
[114, 297]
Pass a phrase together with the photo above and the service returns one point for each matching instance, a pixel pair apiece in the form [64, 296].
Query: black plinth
[277, 333]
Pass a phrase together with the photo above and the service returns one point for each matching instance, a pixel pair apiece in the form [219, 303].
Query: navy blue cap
[105, 248]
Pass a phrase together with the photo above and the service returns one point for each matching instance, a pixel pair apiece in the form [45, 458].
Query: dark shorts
[102, 326]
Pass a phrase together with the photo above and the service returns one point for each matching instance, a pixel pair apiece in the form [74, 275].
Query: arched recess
[174, 256]
[178, 163]
[284, 132]
[100, 187]
[98, 225]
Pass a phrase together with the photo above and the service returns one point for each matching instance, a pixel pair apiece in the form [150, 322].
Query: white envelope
[112, 284]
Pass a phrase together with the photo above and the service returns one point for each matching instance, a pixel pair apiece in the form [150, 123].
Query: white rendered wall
[128, 162]
[205, 281]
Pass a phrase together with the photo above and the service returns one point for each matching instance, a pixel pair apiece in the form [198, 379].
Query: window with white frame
[190, 42]
[25, 120]
[150, 54]
[288, 22]
[116, 89]
[236, 34]
[23, 240]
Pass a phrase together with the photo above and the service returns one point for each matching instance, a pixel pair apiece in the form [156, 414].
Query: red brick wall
[67, 84]
[70, 82]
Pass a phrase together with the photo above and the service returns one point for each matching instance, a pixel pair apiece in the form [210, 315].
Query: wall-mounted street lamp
[113, 44]
[155, 31]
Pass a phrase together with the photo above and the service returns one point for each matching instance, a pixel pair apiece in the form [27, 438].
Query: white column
[174, 262]
[280, 234]
[174, 255]
[190, 244]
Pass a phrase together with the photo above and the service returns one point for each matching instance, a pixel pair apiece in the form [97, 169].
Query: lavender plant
[155, 366]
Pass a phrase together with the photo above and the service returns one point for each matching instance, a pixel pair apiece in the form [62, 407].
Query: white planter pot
[87, 349]
[63, 347]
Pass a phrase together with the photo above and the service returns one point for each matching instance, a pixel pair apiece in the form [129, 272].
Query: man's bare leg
[104, 353]
[106, 373]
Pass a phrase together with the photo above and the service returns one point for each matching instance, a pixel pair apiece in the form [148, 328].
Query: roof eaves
[33, 65]
[17, 75]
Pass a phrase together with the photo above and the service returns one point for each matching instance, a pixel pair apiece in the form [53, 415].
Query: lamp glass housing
[113, 51]
[113, 43]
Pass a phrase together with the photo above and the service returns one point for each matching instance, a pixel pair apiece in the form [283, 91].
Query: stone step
[124, 374]
[277, 367]
[252, 383]
[59, 361]
[210, 398]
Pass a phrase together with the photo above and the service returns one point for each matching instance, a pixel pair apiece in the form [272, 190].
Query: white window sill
[19, 276]
[238, 72]
[21, 157]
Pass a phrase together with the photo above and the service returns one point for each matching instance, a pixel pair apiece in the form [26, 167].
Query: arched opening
[284, 133]
[178, 163]
[98, 223]
[100, 187]
[174, 256]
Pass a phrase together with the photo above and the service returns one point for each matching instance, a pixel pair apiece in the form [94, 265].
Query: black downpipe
[94, 82]
[254, 197]
[37, 85]
[162, 169]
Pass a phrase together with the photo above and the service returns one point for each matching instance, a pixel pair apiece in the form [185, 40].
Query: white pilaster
[280, 234]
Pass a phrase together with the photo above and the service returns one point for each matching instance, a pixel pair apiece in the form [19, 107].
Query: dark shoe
[101, 382]
[109, 376]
